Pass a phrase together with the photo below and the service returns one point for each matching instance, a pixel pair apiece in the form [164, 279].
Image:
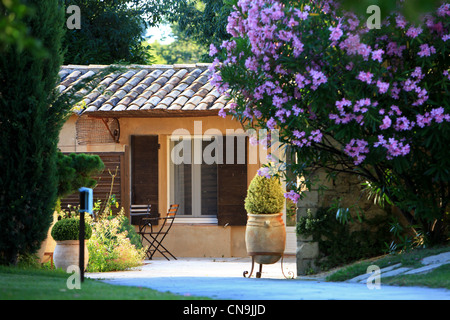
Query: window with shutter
[210, 186]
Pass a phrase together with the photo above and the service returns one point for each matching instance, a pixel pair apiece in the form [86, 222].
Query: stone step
[365, 276]
[429, 263]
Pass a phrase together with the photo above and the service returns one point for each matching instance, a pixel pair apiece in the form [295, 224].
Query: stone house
[136, 118]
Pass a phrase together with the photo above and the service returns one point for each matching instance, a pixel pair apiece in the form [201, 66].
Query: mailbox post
[86, 205]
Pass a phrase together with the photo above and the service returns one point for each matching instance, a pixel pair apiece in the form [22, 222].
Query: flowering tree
[347, 99]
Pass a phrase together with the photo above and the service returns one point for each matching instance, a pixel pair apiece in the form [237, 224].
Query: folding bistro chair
[139, 211]
[140, 215]
[158, 232]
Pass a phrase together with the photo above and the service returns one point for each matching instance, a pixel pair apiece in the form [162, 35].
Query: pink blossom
[351, 44]
[292, 195]
[386, 123]
[360, 104]
[423, 120]
[298, 46]
[413, 32]
[394, 49]
[264, 172]
[409, 85]
[401, 22]
[357, 148]
[417, 73]
[393, 147]
[212, 50]
[422, 94]
[381, 141]
[296, 110]
[316, 136]
[341, 104]
[396, 110]
[279, 101]
[402, 124]
[336, 33]
[222, 113]
[445, 37]
[318, 78]
[301, 142]
[299, 134]
[382, 86]
[365, 77]
[285, 35]
[426, 50]
[377, 55]
[251, 63]
[395, 91]
[444, 10]
[446, 73]
[302, 15]
[353, 23]
[364, 50]
[271, 123]
[438, 114]
[301, 81]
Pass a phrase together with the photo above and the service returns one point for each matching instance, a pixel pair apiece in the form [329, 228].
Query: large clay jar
[265, 237]
[67, 253]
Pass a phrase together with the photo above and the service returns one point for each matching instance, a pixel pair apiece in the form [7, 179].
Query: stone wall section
[345, 186]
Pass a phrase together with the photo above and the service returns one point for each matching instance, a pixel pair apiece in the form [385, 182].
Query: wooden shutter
[232, 190]
[144, 171]
[112, 161]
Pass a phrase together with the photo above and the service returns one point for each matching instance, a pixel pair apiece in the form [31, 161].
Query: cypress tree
[31, 116]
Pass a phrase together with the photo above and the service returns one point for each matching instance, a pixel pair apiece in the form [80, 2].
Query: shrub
[77, 170]
[264, 195]
[342, 243]
[69, 229]
[346, 98]
[32, 113]
[110, 249]
[131, 233]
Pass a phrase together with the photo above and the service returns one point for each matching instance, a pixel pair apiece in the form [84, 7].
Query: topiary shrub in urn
[66, 234]
[265, 234]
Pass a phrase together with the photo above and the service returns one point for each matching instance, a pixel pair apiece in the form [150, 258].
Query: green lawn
[438, 278]
[39, 284]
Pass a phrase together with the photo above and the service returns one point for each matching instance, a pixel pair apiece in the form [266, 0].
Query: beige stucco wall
[184, 240]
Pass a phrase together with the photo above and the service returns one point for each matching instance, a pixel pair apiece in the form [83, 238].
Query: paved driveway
[223, 279]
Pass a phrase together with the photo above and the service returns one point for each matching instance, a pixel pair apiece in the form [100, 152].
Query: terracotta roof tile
[145, 89]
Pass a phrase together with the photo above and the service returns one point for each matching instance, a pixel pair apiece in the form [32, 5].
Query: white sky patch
[162, 33]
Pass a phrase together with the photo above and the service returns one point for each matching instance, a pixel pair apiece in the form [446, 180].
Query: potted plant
[265, 234]
[66, 234]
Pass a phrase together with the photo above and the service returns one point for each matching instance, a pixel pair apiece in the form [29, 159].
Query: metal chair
[139, 216]
[139, 211]
[158, 232]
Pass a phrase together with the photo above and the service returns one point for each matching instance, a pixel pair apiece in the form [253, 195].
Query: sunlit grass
[38, 284]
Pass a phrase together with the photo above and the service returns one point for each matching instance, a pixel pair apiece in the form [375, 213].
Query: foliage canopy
[346, 98]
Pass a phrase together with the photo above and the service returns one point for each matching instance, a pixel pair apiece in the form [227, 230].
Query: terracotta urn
[265, 237]
[67, 253]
